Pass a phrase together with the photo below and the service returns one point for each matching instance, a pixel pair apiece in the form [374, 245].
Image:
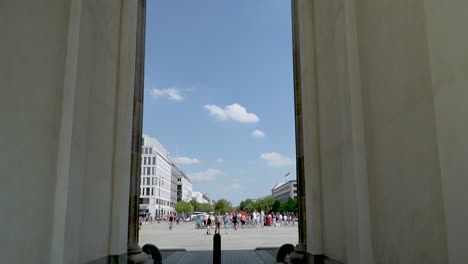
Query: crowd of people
[237, 220]
[171, 218]
[232, 220]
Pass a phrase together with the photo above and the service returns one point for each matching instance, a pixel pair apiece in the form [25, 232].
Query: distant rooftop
[152, 142]
[279, 184]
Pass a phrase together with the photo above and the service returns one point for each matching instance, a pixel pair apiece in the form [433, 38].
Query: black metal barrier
[153, 250]
[217, 249]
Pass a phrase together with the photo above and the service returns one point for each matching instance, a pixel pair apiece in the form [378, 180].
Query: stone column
[300, 253]
[135, 254]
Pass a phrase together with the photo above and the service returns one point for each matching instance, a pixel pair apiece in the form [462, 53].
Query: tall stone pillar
[300, 253]
[135, 254]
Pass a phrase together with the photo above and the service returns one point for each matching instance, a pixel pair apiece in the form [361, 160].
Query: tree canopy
[268, 204]
[289, 206]
[184, 207]
[205, 207]
[223, 206]
[264, 204]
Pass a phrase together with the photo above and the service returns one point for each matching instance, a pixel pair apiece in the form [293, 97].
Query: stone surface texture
[384, 97]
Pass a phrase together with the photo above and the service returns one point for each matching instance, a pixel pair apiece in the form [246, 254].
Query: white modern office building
[155, 184]
[184, 187]
[282, 191]
[200, 197]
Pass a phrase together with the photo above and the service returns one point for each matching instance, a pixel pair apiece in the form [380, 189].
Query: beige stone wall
[32, 66]
[67, 73]
[447, 36]
[384, 100]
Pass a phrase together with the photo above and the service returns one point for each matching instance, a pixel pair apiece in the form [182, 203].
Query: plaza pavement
[185, 236]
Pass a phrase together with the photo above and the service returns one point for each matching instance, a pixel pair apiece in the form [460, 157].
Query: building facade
[200, 197]
[184, 185]
[156, 178]
[282, 191]
[173, 185]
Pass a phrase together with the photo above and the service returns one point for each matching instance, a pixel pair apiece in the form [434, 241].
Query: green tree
[247, 205]
[195, 204]
[288, 206]
[275, 206]
[184, 207]
[265, 204]
[205, 207]
[223, 206]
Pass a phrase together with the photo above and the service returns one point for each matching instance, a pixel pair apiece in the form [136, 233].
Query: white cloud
[276, 159]
[235, 112]
[220, 160]
[258, 134]
[205, 176]
[171, 93]
[187, 161]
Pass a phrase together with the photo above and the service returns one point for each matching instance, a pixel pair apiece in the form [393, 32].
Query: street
[184, 235]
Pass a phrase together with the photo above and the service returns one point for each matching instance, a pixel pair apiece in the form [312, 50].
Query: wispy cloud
[170, 93]
[220, 160]
[205, 176]
[276, 159]
[258, 134]
[187, 161]
[235, 112]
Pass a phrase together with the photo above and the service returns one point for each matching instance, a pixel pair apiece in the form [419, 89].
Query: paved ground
[185, 236]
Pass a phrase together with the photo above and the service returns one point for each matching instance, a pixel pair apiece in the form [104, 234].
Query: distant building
[183, 185]
[174, 176]
[200, 197]
[155, 183]
[282, 191]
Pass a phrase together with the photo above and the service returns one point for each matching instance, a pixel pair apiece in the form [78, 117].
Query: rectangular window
[150, 150]
[148, 172]
[147, 191]
[152, 191]
[152, 171]
[154, 160]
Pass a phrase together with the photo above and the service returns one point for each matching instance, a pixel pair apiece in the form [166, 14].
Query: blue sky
[216, 71]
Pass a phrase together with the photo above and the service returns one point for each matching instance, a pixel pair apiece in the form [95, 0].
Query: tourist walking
[235, 221]
[218, 223]
[226, 222]
[208, 225]
[171, 221]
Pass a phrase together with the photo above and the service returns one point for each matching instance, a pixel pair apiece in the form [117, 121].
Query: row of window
[148, 171]
[151, 181]
[149, 160]
[146, 150]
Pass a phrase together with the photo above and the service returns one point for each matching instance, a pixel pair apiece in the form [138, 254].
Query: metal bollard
[153, 250]
[217, 249]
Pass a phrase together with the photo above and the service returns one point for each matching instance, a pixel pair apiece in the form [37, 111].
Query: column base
[299, 255]
[136, 256]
